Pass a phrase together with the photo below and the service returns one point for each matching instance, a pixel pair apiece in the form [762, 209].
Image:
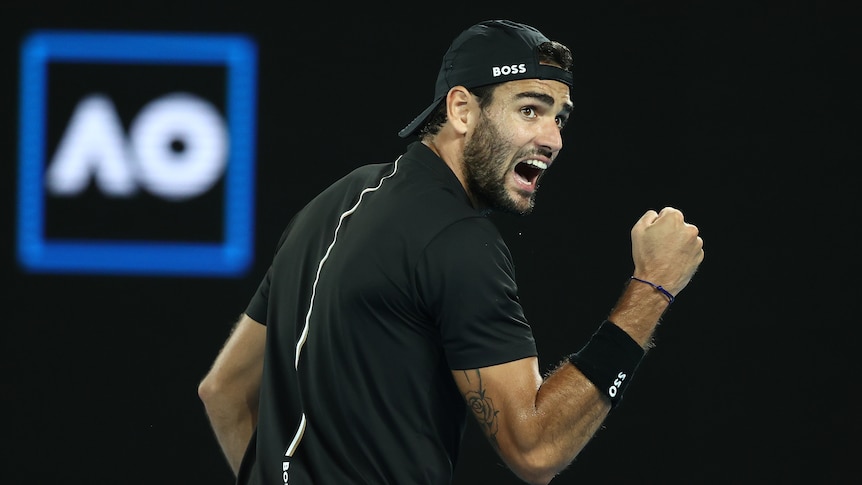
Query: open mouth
[529, 171]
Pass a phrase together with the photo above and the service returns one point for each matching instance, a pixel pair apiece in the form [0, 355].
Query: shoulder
[469, 243]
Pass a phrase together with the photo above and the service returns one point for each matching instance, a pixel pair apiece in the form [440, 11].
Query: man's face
[514, 141]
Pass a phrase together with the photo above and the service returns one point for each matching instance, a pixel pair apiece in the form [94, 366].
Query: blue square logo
[136, 153]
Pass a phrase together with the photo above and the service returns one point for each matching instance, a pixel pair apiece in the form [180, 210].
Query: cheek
[508, 128]
[517, 129]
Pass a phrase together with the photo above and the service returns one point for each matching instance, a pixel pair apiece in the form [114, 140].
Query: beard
[486, 166]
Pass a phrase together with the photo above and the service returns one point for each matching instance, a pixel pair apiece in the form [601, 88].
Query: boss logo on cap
[508, 70]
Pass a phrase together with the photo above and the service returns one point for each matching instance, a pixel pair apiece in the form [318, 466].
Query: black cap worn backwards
[490, 52]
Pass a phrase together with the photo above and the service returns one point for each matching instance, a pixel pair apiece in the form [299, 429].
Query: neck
[452, 156]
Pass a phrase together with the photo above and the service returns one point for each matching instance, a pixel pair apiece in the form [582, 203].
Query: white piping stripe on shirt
[350, 211]
[297, 437]
[299, 432]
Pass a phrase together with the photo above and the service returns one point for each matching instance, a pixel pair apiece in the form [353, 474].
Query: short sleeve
[257, 307]
[466, 280]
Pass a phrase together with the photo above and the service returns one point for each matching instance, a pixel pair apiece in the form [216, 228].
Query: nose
[549, 135]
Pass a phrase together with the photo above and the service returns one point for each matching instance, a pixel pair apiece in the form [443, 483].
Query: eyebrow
[546, 99]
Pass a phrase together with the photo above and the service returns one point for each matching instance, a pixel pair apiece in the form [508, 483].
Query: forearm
[569, 406]
[230, 390]
[545, 436]
[572, 410]
[233, 425]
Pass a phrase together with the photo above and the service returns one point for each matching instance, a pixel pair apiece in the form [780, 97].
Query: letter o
[179, 118]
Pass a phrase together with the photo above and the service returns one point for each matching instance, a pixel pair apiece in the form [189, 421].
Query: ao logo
[176, 149]
[194, 151]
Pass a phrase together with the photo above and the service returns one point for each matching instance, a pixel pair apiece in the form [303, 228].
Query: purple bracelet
[666, 293]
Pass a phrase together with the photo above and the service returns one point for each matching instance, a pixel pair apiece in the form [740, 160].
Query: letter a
[93, 146]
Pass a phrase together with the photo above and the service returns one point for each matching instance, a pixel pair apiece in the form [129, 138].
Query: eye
[561, 121]
[529, 111]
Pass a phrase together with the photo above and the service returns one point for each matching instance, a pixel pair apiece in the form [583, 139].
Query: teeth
[537, 164]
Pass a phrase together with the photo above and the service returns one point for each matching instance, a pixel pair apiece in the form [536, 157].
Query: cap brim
[419, 120]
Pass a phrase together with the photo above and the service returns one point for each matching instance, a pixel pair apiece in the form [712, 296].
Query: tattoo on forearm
[482, 407]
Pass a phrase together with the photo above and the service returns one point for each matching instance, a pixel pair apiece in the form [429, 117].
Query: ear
[460, 103]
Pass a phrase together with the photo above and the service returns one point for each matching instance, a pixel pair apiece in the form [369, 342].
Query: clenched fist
[666, 250]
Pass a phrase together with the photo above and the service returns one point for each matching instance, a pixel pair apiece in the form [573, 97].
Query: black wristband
[609, 360]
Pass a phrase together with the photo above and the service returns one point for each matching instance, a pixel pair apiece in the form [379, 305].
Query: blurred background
[129, 247]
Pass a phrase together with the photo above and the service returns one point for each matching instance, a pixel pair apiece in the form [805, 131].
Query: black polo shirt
[382, 285]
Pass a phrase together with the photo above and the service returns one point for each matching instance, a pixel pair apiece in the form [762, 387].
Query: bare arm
[230, 389]
[537, 424]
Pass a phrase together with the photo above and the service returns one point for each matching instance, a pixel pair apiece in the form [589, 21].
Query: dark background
[745, 116]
